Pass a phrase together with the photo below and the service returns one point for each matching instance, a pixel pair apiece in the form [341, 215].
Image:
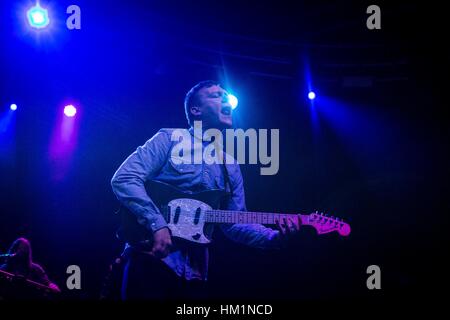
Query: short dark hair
[191, 97]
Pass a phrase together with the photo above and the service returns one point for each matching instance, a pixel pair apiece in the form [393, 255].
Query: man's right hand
[162, 241]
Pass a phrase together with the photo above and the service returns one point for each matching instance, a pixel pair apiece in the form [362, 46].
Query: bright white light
[233, 101]
[13, 107]
[38, 17]
[70, 110]
[311, 95]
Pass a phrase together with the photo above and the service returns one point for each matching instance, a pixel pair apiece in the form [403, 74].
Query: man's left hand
[289, 225]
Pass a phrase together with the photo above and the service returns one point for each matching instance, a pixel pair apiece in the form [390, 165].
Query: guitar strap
[226, 177]
[223, 165]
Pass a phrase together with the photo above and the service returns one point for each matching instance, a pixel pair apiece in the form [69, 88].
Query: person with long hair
[20, 263]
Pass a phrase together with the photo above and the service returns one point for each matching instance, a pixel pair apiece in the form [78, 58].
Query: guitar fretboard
[229, 216]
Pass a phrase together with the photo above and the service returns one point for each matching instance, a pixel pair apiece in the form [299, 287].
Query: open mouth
[226, 110]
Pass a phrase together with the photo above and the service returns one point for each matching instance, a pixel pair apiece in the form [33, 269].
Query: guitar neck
[268, 218]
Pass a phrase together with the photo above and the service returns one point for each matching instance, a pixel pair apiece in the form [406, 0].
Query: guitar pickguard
[187, 219]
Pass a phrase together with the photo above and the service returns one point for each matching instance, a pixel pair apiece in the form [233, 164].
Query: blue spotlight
[233, 101]
[311, 95]
[70, 110]
[38, 17]
[13, 107]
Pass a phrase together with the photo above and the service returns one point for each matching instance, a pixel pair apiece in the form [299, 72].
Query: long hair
[21, 247]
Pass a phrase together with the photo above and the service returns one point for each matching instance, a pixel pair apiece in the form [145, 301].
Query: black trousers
[148, 278]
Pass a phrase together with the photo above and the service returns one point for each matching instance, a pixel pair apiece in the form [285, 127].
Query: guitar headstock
[324, 224]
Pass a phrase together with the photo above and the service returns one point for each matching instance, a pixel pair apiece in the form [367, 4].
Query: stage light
[70, 110]
[233, 101]
[38, 17]
[311, 95]
[13, 107]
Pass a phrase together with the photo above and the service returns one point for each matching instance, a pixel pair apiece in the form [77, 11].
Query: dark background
[372, 148]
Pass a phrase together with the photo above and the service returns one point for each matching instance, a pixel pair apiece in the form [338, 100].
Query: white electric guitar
[189, 216]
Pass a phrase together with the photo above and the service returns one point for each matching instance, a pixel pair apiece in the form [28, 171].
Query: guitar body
[184, 213]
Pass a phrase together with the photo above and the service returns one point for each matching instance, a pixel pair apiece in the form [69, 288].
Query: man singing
[167, 268]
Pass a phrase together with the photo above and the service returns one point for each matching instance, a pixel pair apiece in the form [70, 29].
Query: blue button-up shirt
[153, 161]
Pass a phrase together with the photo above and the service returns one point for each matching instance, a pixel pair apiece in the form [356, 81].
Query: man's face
[213, 108]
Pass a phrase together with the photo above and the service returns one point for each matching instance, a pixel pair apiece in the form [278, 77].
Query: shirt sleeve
[128, 183]
[253, 235]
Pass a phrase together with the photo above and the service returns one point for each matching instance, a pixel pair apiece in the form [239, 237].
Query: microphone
[7, 255]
